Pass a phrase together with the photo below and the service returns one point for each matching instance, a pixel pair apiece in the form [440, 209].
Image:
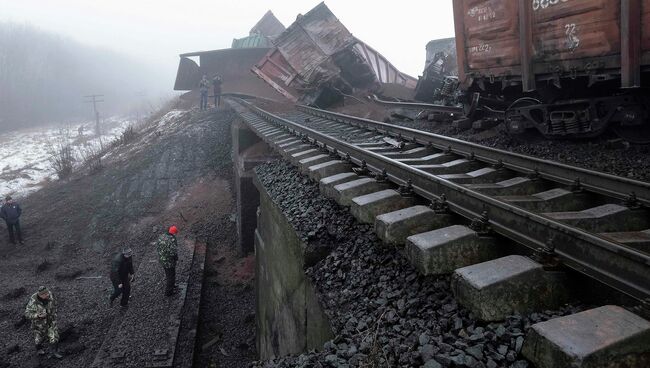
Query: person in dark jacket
[121, 276]
[216, 88]
[10, 212]
[204, 84]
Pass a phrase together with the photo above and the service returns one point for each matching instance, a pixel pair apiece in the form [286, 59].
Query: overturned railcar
[317, 61]
[565, 67]
[314, 60]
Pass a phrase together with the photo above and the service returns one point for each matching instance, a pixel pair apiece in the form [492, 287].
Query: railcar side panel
[569, 38]
[645, 33]
[575, 29]
[491, 34]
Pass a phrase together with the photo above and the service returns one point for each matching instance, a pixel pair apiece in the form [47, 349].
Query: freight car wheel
[515, 121]
[637, 134]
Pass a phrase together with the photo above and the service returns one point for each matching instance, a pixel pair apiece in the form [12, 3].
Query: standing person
[203, 88]
[216, 87]
[41, 311]
[168, 256]
[10, 212]
[122, 276]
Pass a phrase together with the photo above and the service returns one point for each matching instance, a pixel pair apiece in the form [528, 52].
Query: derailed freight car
[565, 67]
[317, 61]
[314, 60]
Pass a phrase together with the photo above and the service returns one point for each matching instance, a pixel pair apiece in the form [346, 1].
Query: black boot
[39, 349]
[56, 352]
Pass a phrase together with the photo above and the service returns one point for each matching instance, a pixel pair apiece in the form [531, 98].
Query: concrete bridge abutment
[289, 316]
[248, 151]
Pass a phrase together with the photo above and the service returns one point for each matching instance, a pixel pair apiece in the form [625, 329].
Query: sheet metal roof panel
[384, 70]
[187, 76]
[250, 42]
[268, 26]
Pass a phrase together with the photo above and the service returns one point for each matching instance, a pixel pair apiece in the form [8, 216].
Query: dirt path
[178, 171]
[227, 325]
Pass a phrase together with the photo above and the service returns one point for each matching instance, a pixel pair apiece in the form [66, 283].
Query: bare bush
[128, 135]
[61, 155]
[91, 157]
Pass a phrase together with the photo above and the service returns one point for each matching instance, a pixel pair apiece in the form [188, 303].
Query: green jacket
[35, 307]
[167, 250]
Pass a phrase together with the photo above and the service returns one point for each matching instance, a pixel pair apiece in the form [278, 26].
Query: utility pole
[95, 99]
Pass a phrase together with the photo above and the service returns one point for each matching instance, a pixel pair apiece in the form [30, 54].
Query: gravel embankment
[381, 311]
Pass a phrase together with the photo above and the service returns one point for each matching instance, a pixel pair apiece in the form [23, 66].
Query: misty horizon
[158, 32]
[50, 81]
[148, 39]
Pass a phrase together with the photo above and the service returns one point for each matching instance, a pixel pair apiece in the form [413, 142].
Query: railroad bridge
[511, 237]
[382, 245]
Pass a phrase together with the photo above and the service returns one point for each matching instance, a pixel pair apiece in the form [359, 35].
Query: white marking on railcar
[485, 47]
[572, 39]
[543, 4]
[482, 13]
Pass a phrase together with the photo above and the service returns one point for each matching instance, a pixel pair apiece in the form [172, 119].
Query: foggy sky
[156, 31]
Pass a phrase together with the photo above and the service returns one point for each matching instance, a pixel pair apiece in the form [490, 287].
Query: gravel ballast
[606, 153]
[381, 311]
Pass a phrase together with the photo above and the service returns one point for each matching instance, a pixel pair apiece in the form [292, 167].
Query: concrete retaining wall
[289, 317]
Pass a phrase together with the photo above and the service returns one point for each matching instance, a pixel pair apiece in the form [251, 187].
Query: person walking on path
[204, 84]
[121, 276]
[216, 89]
[168, 256]
[10, 212]
[41, 311]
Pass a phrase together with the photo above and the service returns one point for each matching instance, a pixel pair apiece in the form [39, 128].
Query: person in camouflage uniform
[168, 256]
[41, 311]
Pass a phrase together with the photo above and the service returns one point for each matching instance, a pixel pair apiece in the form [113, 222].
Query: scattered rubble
[440, 63]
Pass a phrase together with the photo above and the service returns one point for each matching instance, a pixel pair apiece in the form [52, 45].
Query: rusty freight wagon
[565, 67]
[317, 60]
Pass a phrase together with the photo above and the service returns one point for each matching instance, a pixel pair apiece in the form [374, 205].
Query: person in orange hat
[168, 256]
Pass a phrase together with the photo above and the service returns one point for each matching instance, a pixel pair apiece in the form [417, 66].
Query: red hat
[173, 230]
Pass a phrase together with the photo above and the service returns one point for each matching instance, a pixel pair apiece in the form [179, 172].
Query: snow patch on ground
[25, 154]
[167, 123]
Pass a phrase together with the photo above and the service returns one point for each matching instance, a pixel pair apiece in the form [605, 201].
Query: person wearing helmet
[121, 276]
[41, 311]
[168, 256]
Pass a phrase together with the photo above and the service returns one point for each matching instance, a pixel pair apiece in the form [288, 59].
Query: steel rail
[421, 106]
[594, 181]
[622, 268]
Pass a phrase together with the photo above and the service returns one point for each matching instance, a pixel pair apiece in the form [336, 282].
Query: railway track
[162, 335]
[594, 223]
